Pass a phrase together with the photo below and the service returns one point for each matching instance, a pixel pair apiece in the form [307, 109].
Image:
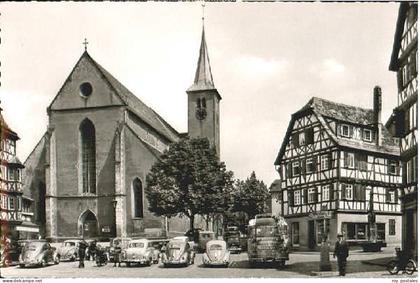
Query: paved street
[301, 264]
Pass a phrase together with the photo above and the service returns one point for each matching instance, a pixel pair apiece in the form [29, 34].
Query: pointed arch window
[88, 156]
[137, 198]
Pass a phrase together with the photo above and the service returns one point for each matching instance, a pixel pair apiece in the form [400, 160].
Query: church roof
[203, 77]
[140, 109]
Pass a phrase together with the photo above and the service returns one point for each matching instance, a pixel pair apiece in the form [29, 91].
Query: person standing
[82, 253]
[92, 250]
[117, 253]
[341, 250]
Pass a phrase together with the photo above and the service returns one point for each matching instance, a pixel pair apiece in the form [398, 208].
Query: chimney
[377, 113]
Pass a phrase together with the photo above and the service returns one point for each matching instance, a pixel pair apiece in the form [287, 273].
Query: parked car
[139, 251]
[216, 253]
[203, 238]
[178, 252]
[123, 242]
[38, 253]
[69, 250]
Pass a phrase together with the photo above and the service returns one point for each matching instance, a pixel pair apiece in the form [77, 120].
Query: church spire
[203, 77]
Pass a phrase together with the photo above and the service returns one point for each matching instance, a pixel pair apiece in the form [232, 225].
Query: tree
[188, 179]
[250, 196]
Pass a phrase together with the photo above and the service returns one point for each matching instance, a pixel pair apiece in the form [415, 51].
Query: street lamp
[114, 205]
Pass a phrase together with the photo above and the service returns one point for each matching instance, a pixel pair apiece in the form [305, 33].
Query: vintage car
[178, 252]
[139, 251]
[203, 238]
[216, 254]
[69, 250]
[38, 253]
[122, 242]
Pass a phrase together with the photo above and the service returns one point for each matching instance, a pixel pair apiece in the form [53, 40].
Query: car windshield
[267, 231]
[69, 244]
[174, 246]
[216, 247]
[32, 246]
[136, 245]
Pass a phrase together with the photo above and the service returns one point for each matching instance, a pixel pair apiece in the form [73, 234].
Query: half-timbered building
[403, 122]
[332, 157]
[15, 207]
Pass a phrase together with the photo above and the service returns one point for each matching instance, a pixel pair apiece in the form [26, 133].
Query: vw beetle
[140, 251]
[178, 252]
[69, 250]
[38, 253]
[216, 254]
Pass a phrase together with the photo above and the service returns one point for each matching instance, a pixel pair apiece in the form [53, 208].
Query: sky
[267, 60]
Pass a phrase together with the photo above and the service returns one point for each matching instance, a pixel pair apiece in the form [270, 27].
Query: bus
[268, 240]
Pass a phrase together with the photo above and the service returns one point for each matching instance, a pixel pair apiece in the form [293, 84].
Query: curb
[324, 273]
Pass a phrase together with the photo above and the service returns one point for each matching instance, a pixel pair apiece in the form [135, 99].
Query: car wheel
[43, 262]
[21, 265]
[392, 267]
[149, 263]
[128, 264]
[57, 259]
[411, 267]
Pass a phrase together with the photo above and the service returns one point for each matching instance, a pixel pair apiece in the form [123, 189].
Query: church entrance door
[89, 225]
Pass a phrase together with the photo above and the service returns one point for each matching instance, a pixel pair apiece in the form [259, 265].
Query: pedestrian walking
[92, 250]
[117, 253]
[341, 250]
[82, 253]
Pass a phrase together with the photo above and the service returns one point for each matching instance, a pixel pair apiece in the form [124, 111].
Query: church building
[88, 171]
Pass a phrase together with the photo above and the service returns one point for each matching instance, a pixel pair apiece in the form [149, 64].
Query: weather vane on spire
[203, 6]
[85, 43]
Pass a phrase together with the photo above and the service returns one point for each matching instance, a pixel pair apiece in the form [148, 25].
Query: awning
[28, 227]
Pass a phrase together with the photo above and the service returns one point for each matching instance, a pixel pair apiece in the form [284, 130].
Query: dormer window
[367, 135]
[345, 130]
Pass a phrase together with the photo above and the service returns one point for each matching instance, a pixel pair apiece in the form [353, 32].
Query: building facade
[404, 121]
[15, 207]
[88, 172]
[334, 162]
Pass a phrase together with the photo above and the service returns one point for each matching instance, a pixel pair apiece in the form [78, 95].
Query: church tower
[203, 101]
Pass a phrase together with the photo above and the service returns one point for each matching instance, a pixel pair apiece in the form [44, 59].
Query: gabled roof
[339, 111]
[203, 77]
[134, 104]
[323, 109]
[5, 129]
[399, 29]
[275, 186]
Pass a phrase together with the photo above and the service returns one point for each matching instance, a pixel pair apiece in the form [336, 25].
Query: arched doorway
[88, 225]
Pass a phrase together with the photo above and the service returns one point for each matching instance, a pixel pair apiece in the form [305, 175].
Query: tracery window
[88, 156]
[137, 198]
